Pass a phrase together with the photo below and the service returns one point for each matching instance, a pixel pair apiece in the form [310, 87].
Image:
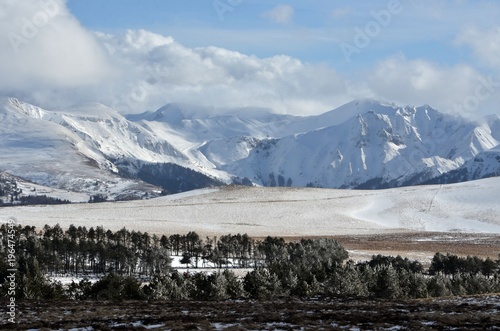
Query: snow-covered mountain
[364, 144]
[72, 150]
[484, 165]
[380, 146]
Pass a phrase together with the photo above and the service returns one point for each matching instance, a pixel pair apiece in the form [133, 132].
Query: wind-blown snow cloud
[281, 14]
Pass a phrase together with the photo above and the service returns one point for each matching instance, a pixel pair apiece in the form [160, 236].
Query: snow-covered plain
[288, 212]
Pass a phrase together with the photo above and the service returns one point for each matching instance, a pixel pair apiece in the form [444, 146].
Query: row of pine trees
[136, 265]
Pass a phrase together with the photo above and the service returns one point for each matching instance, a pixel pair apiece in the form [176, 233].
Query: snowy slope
[363, 144]
[483, 165]
[43, 147]
[464, 207]
[110, 133]
[12, 187]
[386, 145]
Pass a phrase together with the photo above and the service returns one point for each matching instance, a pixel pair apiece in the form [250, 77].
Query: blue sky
[422, 29]
[297, 57]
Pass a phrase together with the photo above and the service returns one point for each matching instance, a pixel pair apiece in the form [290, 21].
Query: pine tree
[387, 285]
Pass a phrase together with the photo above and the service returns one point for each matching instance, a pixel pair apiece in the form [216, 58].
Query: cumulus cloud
[167, 71]
[44, 48]
[460, 89]
[281, 14]
[49, 59]
[160, 70]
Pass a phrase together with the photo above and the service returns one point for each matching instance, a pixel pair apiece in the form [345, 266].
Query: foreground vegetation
[137, 266]
[460, 313]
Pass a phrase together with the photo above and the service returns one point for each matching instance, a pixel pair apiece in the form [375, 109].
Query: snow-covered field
[466, 207]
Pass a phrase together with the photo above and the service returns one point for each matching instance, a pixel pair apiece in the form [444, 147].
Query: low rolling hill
[289, 212]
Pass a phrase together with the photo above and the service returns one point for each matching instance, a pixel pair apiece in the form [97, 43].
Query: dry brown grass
[421, 243]
[418, 245]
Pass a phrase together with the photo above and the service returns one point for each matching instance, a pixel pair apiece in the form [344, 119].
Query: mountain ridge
[365, 143]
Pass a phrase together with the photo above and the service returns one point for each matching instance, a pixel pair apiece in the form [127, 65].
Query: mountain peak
[354, 108]
[89, 109]
[364, 143]
[364, 102]
[174, 113]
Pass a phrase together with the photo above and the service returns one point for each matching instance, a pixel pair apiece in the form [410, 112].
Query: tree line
[12, 195]
[136, 265]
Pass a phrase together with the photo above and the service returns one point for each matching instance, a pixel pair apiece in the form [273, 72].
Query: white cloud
[281, 14]
[459, 89]
[44, 48]
[484, 43]
[61, 63]
[170, 72]
[340, 12]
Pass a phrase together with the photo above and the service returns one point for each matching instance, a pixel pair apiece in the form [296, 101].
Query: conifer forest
[134, 265]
